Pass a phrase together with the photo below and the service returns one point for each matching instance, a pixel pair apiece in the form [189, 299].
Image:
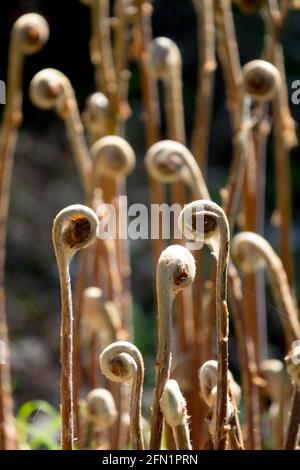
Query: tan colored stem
[92, 361]
[142, 36]
[249, 203]
[175, 270]
[293, 369]
[206, 72]
[260, 133]
[121, 38]
[28, 36]
[119, 362]
[11, 121]
[275, 390]
[123, 264]
[101, 315]
[222, 340]
[248, 361]
[114, 157]
[232, 193]
[173, 407]
[161, 164]
[73, 228]
[163, 363]
[171, 75]
[250, 251]
[80, 285]
[50, 88]
[236, 436]
[169, 161]
[96, 116]
[181, 436]
[293, 423]
[167, 65]
[229, 57]
[77, 141]
[215, 232]
[284, 139]
[102, 56]
[109, 150]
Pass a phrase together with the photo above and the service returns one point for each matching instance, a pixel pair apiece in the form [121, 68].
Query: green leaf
[38, 436]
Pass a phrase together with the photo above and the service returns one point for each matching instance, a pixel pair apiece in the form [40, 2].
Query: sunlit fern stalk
[29, 34]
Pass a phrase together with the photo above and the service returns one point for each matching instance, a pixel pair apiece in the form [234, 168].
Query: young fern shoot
[208, 378]
[166, 63]
[173, 407]
[272, 370]
[142, 37]
[74, 228]
[121, 362]
[228, 53]
[284, 132]
[102, 56]
[114, 159]
[103, 322]
[206, 74]
[260, 83]
[168, 161]
[123, 11]
[29, 34]
[261, 80]
[101, 412]
[205, 222]
[292, 361]
[175, 271]
[101, 408]
[49, 89]
[252, 251]
[101, 315]
[96, 116]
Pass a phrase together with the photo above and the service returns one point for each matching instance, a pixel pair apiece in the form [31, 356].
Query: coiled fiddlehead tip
[92, 305]
[204, 221]
[261, 80]
[119, 361]
[100, 314]
[208, 377]
[101, 408]
[47, 88]
[249, 250]
[164, 161]
[164, 54]
[74, 228]
[113, 156]
[176, 267]
[173, 404]
[292, 361]
[33, 32]
[96, 113]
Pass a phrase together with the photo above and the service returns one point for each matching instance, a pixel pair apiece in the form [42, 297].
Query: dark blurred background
[45, 180]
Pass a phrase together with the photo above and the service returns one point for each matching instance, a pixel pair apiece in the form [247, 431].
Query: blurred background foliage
[45, 179]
